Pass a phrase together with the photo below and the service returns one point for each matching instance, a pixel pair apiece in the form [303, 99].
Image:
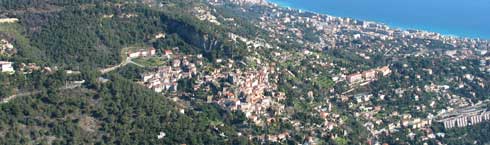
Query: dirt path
[67, 87]
[6, 100]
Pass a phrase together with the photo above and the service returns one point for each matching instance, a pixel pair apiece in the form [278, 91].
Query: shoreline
[390, 25]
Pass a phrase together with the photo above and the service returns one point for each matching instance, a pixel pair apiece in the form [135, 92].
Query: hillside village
[415, 85]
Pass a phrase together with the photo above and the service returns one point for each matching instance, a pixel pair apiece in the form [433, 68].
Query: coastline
[391, 25]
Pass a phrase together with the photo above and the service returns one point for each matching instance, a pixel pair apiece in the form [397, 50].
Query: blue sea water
[463, 18]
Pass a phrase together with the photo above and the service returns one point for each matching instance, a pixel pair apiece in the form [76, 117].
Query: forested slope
[76, 36]
[118, 112]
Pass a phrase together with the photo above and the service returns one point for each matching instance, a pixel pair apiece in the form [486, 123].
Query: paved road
[137, 64]
[106, 70]
[124, 63]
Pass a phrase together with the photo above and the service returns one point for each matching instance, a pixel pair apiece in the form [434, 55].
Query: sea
[459, 18]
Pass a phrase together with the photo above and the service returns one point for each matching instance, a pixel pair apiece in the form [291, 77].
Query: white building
[6, 66]
[353, 78]
[8, 20]
[142, 53]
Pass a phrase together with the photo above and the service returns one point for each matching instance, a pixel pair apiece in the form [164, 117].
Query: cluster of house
[368, 75]
[330, 119]
[142, 53]
[273, 137]
[371, 37]
[250, 91]
[362, 107]
[6, 48]
[335, 30]
[252, 87]
[204, 14]
[416, 123]
[6, 67]
[253, 84]
[240, 2]
[480, 54]
[165, 78]
[253, 91]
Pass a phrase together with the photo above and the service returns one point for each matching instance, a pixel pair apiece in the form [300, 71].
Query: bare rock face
[88, 124]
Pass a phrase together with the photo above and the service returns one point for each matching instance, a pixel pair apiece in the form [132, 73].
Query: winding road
[124, 63]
